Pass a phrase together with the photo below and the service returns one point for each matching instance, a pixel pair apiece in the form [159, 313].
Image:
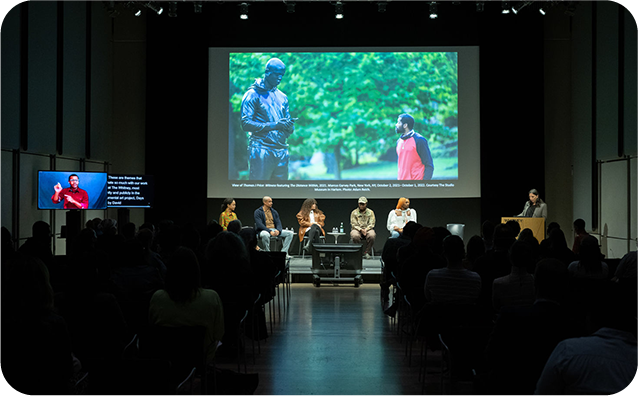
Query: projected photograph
[343, 116]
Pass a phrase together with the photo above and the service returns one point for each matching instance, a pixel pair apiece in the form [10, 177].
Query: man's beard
[399, 129]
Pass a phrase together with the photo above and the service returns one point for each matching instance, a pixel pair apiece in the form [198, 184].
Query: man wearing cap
[362, 224]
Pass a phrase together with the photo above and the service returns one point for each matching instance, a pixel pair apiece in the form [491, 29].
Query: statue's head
[274, 72]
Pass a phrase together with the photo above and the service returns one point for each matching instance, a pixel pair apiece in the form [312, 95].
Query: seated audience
[183, 302]
[524, 336]
[36, 349]
[604, 362]
[516, 288]
[96, 323]
[590, 264]
[453, 284]
[389, 258]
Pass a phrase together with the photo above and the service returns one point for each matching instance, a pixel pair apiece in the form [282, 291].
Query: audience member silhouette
[556, 247]
[96, 323]
[168, 239]
[514, 226]
[234, 226]
[475, 248]
[405, 251]
[110, 242]
[627, 269]
[416, 267]
[183, 302]
[8, 254]
[389, 257]
[39, 244]
[604, 362]
[487, 233]
[516, 288]
[526, 236]
[524, 336]
[134, 279]
[453, 284]
[494, 264]
[228, 272]
[579, 226]
[128, 231]
[191, 237]
[153, 259]
[36, 349]
[590, 264]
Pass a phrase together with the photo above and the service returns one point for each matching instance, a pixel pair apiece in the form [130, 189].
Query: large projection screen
[345, 103]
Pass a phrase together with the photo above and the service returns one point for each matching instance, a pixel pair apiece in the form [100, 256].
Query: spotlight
[505, 7]
[197, 7]
[517, 8]
[290, 7]
[151, 5]
[542, 10]
[381, 6]
[244, 11]
[433, 10]
[339, 10]
[479, 6]
[137, 11]
[172, 12]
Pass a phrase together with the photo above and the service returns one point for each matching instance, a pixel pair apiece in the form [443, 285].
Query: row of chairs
[170, 360]
[455, 330]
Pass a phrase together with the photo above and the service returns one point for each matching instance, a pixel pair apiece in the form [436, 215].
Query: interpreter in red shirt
[73, 197]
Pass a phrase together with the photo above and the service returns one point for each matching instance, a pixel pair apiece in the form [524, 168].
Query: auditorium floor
[335, 339]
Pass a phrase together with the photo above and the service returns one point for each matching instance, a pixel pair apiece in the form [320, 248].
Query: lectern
[536, 224]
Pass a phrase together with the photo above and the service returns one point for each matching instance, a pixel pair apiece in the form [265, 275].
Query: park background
[347, 104]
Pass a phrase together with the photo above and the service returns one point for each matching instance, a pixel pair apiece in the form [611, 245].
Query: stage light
[339, 10]
[151, 5]
[433, 10]
[133, 5]
[479, 6]
[197, 7]
[505, 7]
[381, 6]
[542, 10]
[244, 11]
[172, 12]
[520, 6]
[290, 7]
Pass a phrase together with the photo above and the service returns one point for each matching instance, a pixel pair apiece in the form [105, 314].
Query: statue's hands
[285, 124]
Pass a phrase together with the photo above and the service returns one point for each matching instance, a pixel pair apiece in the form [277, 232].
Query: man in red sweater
[414, 161]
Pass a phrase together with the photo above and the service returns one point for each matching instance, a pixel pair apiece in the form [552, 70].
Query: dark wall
[511, 101]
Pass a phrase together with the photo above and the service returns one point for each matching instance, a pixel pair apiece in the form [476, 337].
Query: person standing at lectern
[311, 221]
[362, 224]
[414, 161]
[268, 224]
[73, 196]
[535, 206]
[266, 118]
[398, 217]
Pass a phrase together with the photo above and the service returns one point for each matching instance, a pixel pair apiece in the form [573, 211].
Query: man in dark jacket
[266, 118]
[268, 224]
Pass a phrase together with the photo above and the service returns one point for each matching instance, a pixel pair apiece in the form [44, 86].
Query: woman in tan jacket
[311, 221]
